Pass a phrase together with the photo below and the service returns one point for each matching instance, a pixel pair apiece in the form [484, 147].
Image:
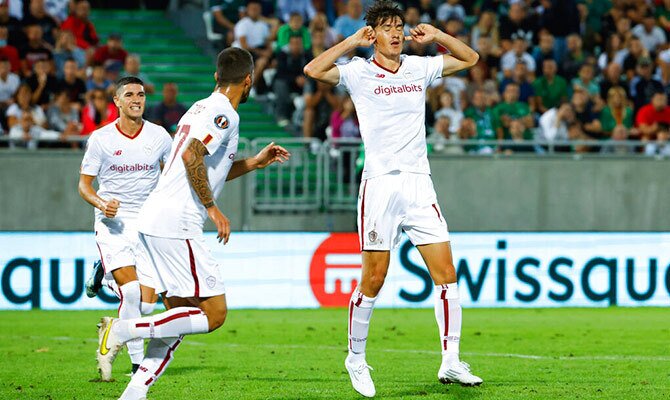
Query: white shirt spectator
[447, 11]
[8, 86]
[455, 117]
[255, 32]
[509, 60]
[550, 128]
[16, 9]
[653, 149]
[650, 40]
[456, 86]
[57, 8]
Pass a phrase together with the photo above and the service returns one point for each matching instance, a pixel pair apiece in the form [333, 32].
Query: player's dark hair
[233, 65]
[382, 11]
[127, 80]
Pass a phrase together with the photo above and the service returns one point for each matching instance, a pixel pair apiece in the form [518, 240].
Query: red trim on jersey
[121, 302]
[445, 304]
[207, 139]
[142, 325]
[168, 319]
[102, 260]
[118, 128]
[365, 185]
[167, 359]
[191, 259]
[437, 211]
[384, 68]
[351, 313]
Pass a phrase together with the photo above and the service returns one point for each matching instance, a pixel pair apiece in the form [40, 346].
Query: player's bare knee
[216, 318]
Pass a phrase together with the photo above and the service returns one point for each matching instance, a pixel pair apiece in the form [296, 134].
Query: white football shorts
[399, 201]
[119, 247]
[183, 267]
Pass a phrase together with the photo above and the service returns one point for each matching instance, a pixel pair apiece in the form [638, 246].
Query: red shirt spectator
[650, 116]
[111, 52]
[81, 27]
[98, 113]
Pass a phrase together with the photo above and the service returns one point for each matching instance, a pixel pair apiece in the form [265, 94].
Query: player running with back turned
[396, 193]
[171, 221]
[125, 157]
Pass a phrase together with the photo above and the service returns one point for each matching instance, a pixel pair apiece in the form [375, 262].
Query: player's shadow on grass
[403, 391]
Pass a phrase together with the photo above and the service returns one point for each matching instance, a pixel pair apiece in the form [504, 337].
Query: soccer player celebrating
[396, 193]
[125, 157]
[171, 221]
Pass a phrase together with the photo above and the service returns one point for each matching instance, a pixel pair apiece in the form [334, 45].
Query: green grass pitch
[611, 353]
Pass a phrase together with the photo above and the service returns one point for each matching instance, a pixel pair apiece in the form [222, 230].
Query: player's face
[130, 100]
[390, 36]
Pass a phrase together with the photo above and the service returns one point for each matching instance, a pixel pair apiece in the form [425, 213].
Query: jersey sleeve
[434, 66]
[92, 161]
[350, 72]
[166, 148]
[217, 129]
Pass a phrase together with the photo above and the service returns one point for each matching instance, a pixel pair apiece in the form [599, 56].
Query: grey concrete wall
[38, 191]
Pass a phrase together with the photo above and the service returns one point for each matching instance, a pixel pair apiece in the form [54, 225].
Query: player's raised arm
[270, 154]
[323, 69]
[461, 55]
[196, 171]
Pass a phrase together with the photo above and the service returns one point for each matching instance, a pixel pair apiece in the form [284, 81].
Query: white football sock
[110, 283]
[448, 315]
[160, 353]
[129, 308]
[147, 308]
[172, 323]
[360, 312]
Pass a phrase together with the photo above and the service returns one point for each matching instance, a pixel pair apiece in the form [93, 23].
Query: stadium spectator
[662, 13]
[517, 22]
[521, 77]
[635, 52]
[651, 116]
[612, 78]
[286, 8]
[411, 21]
[551, 89]
[252, 33]
[592, 13]
[63, 116]
[343, 120]
[518, 53]
[518, 136]
[617, 111]
[98, 112]
[544, 50]
[15, 36]
[82, 28]
[8, 51]
[225, 14]
[488, 57]
[289, 81]
[661, 146]
[450, 9]
[26, 121]
[132, 67]
[615, 52]
[585, 80]
[294, 27]
[487, 26]
[168, 112]
[347, 24]
[42, 83]
[111, 53]
[9, 83]
[427, 11]
[318, 42]
[511, 109]
[478, 81]
[480, 117]
[585, 115]
[554, 123]
[615, 144]
[447, 119]
[651, 35]
[71, 84]
[320, 23]
[561, 19]
[38, 15]
[575, 57]
[67, 49]
[98, 79]
[58, 9]
[35, 49]
[643, 85]
[320, 101]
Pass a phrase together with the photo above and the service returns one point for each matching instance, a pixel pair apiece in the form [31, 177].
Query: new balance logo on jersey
[118, 152]
[389, 90]
[380, 76]
[131, 168]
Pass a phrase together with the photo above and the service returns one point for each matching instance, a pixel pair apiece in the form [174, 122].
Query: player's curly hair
[382, 11]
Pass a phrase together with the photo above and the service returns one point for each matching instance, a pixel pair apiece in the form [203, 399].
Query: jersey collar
[386, 69]
[131, 137]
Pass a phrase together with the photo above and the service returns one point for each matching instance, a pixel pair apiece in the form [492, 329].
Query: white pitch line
[611, 357]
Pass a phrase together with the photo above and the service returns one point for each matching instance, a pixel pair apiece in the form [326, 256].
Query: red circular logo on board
[335, 269]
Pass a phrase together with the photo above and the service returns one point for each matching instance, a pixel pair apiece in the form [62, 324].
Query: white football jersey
[173, 210]
[127, 169]
[391, 111]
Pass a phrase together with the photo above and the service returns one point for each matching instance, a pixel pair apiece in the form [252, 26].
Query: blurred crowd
[56, 75]
[550, 70]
